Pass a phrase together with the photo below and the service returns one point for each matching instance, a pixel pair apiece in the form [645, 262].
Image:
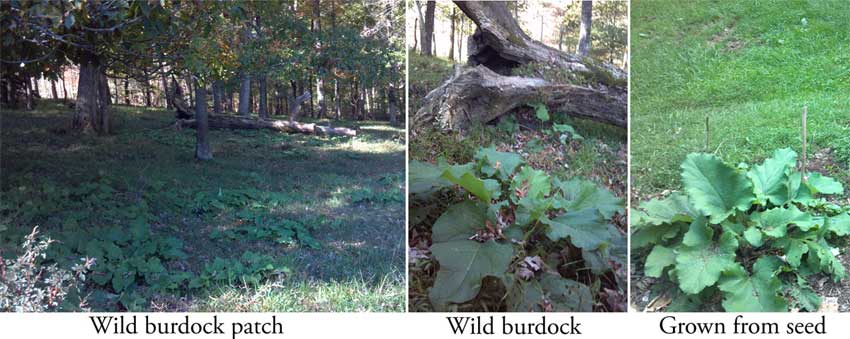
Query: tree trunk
[34, 88]
[479, 95]
[189, 88]
[165, 91]
[264, 108]
[91, 113]
[202, 144]
[53, 89]
[295, 105]
[64, 89]
[584, 31]
[500, 44]
[29, 94]
[415, 29]
[452, 34]
[244, 94]
[238, 122]
[216, 92]
[428, 28]
[148, 95]
[127, 92]
[392, 107]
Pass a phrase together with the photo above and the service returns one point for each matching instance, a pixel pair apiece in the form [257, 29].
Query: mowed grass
[750, 66]
[349, 192]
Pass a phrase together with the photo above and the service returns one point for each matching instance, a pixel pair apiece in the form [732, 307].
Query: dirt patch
[835, 296]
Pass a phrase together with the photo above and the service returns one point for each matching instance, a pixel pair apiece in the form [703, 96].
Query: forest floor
[275, 222]
[750, 69]
[600, 157]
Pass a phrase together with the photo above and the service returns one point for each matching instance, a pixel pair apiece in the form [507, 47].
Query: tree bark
[238, 122]
[500, 44]
[263, 89]
[165, 91]
[127, 92]
[452, 34]
[244, 94]
[428, 28]
[91, 114]
[64, 89]
[202, 143]
[295, 105]
[53, 89]
[479, 95]
[392, 107]
[216, 92]
[584, 31]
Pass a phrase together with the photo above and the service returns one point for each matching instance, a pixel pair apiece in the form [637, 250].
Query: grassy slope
[750, 66]
[359, 265]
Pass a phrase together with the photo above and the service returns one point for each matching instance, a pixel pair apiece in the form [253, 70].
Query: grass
[360, 252]
[750, 68]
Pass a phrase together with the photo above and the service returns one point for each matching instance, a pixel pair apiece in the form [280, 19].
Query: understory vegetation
[276, 222]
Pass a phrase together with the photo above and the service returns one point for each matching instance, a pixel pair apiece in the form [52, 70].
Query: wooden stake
[805, 154]
[707, 134]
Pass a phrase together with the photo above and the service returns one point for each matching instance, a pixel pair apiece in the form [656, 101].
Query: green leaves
[714, 188]
[516, 210]
[771, 178]
[540, 111]
[700, 266]
[586, 228]
[770, 207]
[657, 260]
[757, 293]
[463, 264]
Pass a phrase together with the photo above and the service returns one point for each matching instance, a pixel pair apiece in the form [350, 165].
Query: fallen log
[236, 122]
[500, 44]
[480, 95]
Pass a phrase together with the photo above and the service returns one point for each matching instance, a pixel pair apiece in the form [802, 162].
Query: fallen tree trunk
[238, 122]
[479, 95]
[500, 43]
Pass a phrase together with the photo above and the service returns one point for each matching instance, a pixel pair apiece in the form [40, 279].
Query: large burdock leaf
[714, 188]
[774, 222]
[464, 176]
[425, 178]
[531, 183]
[657, 260]
[700, 266]
[839, 224]
[581, 194]
[821, 258]
[587, 228]
[494, 162]
[463, 265]
[820, 184]
[756, 293]
[770, 179]
[668, 210]
[551, 293]
[460, 221]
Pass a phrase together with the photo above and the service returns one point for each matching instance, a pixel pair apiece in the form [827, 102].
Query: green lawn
[322, 218]
[750, 66]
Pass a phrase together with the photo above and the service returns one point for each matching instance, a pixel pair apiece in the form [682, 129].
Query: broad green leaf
[774, 222]
[459, 222]
[820, 184]
[567, 130]
[579, 194]
[541, 111]
[587, 228]
[530, 182]
[839, 224]
[714, 188]
[698, 234]
[651, 234]
[671, 209]
[770, 179]
[821, 258]
[754, 236]
[700, 267]
[463, 175]
[805, 297]
[494, 162]
[463, 265]
[562, 295]
[757, 293]
[794, 250]
[424, 178]
[657, 260]
[530, 209]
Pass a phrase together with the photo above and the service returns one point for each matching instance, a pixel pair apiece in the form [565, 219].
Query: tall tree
[427, 36]
[584, 31]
